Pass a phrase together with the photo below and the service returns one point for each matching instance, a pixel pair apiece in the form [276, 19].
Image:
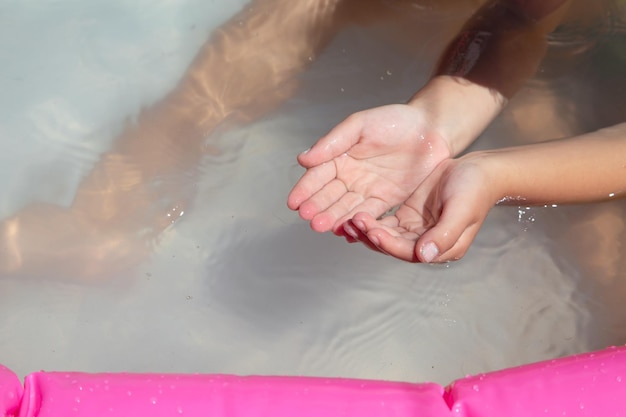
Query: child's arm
[440, 220]
[586, 168]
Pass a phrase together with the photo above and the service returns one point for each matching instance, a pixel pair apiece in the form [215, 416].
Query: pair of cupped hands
[387, 177]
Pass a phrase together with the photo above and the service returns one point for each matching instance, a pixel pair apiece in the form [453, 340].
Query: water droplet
[476, 388]
[618, 379]
[153, 401]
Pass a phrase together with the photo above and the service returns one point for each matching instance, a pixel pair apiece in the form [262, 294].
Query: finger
[313, 180]
[343, 209]
[460, 248]
[329, 196]
[373, 207]
[356, 235]
[348, 235]
[335, 143]
[365, 222]
[387, 236]
[328, 217]
[396, 245]
[456, 217]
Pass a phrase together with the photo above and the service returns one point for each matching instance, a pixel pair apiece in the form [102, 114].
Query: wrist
[459, 108]
[494, 173]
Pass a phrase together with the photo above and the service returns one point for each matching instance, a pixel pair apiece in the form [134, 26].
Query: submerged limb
[501, 46]
[245, 69]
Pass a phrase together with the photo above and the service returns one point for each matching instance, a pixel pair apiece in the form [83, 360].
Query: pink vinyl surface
[10, 392]
[592, 384]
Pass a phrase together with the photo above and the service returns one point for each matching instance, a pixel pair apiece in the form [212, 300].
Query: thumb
[450, 238]
[335, 143]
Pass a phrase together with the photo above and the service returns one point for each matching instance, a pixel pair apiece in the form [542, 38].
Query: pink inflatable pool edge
[582, 385]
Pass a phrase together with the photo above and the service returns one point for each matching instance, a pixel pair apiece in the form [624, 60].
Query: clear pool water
[237, 283]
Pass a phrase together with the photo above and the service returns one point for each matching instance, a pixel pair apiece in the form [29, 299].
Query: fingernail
[429, 251]
[349, 230]
[374, 240]
[304, 152]
[358, 224]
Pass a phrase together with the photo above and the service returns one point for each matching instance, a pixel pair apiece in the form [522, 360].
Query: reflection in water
[240, 285]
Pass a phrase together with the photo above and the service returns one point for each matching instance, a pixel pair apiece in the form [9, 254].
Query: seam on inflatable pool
[448, 396]
[30, 399]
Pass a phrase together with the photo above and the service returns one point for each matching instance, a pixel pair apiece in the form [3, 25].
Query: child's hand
[370, 162]
[376, 158]
[439, 220]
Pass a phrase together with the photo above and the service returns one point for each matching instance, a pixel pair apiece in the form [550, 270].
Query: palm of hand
[369, 163]
[447, 210]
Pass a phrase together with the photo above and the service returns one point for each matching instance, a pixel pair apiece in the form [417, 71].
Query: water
[234, 282]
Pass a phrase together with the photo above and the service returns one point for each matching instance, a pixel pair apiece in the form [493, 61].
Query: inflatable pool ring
[591, 384]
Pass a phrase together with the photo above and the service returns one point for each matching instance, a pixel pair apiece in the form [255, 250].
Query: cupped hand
[370, 163]
[439, 221]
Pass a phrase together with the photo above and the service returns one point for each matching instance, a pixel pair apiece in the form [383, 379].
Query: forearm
[585, 168]
[496, 51]
[249, 63]
[247, 67]
[501, 46]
